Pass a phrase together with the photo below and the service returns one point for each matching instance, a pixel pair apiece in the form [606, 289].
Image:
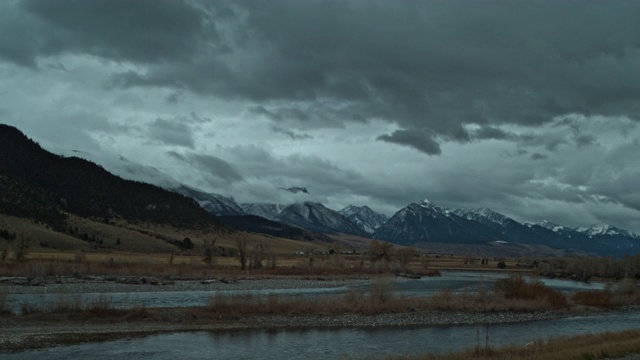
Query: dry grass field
[600, 346]
[93, 247]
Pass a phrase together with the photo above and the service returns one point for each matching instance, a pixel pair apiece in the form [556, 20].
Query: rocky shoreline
[113, 284]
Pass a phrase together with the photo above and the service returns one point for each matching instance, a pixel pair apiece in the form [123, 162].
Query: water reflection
[331, 344]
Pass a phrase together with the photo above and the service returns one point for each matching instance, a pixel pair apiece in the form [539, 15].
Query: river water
[348, 343]
[455, 281]
[333, 344]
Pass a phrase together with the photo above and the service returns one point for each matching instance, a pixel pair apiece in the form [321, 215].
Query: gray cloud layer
[523, 106]
[422, 65]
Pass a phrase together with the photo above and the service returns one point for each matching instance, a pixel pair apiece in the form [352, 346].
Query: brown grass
[3, 301]
[583, 347]
[624, 293]
[378, 300]
[141, 238]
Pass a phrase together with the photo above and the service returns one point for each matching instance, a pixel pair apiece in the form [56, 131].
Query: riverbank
[19, 333]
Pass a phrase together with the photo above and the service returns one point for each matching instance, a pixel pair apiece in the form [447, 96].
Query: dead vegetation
[624, 293]
[602, 346]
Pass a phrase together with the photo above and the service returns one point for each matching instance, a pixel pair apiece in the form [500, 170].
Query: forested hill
[36, 183]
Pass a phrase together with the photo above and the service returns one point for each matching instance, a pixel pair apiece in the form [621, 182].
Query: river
[456, 281]
[350, 343]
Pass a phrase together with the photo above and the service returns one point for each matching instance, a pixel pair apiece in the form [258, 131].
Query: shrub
[516, 287]
[626, 292]
[596, 298]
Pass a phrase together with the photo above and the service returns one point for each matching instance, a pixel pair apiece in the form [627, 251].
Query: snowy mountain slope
[315, 216]
[429, 222]
[509, 229]
[486, 216]
[265, 210]
[363, 216]
[601, 229]
[215, 204]
[563, 231]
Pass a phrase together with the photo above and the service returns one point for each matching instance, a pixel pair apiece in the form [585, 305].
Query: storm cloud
[529, 108]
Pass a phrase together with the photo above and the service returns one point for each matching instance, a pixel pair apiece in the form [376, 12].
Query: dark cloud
[292, 135]
[417, 139]
[175, 97]
[211, 166]
[538, 156]
[148, 31]
[490, 132]
[585, 140]
[476, 62]
[171, 133]
[551, 141]
[329, 62]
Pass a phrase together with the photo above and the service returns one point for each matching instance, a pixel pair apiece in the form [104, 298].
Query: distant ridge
[429, 223]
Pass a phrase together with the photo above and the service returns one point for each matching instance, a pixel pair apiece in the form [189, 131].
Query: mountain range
[38, 184]
[427, 222]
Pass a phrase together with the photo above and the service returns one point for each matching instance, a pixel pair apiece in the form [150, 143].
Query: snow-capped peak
[605, 229]
[551, 226]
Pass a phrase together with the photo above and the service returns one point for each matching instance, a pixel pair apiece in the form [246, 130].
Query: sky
[530, 108]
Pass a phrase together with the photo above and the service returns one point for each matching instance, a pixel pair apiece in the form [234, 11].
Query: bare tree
[405, 256]
[22, 247]
[257, 255]
[381, 250]
[241, 243]
[209, 251]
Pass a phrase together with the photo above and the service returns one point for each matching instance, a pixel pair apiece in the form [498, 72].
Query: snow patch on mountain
[364, 217]
[315, 216]
[265, 210]
[602, 229]
[552, 226]
[481, 214]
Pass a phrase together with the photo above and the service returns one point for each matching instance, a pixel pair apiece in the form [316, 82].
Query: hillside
[42, 186]
[260, 225]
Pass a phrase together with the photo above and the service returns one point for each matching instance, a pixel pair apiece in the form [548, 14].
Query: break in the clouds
[529, 108]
